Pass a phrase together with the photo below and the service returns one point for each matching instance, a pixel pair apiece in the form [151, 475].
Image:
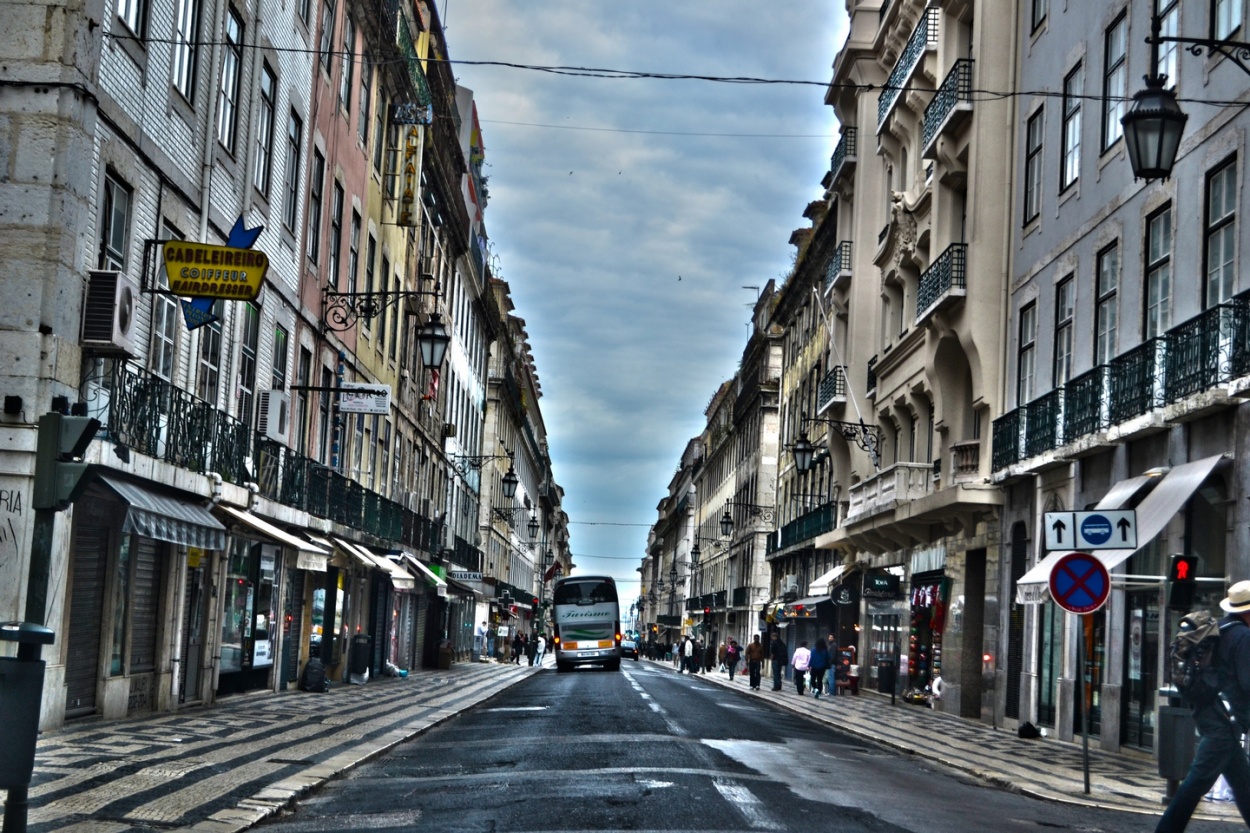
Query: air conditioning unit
[108, 314]
[275, 415]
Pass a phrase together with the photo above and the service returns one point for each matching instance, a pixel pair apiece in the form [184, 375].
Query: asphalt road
[648, 749]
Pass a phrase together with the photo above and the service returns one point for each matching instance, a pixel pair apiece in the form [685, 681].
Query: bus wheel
[614, 665]
[561, 667]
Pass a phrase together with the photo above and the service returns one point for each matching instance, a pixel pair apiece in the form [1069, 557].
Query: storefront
[930, 596]
[131, 590]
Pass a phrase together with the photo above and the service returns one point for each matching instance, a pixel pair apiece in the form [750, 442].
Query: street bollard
[21, 693]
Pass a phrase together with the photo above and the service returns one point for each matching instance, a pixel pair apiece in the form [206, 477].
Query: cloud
[594, 217]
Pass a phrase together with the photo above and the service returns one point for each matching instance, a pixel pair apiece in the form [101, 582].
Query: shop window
[1050, 653]
[929, 600]
[238, 606]
[121, 608]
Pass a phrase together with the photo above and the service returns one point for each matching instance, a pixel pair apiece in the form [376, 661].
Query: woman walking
[799, 662]
[819, 664]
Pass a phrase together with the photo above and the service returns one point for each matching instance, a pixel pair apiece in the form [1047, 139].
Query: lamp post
[867, 437]
[764, 513]
[433, 339]
[1154, 124]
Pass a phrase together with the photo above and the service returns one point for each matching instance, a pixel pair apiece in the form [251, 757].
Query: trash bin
[1176, 742]
[885, 675]
[444, 654]
[358, 664]
[21, 694]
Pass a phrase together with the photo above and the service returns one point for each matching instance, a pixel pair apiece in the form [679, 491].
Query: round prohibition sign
[1079, 583]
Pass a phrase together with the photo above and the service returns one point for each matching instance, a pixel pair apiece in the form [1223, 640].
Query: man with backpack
[1222, 713]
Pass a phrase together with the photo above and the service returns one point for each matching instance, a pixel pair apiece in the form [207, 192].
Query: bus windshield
[584, 592]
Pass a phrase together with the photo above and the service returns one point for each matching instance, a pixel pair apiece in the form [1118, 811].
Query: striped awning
[162, 516]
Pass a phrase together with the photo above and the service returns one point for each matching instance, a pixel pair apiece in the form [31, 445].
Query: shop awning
[401, 579]
[279, 536]
[356, 553]
[167, 518]
[1153, 514]
[423, 571]
[463, 589]
[822, 584]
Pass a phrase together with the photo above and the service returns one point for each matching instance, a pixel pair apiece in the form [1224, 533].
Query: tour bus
[587, 619]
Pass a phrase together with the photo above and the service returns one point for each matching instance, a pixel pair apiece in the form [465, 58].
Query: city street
[648, 749]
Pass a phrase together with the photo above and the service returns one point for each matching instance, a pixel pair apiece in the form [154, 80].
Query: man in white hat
[1219, 750]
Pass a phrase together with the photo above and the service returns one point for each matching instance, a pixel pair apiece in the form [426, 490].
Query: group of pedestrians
[532, 647]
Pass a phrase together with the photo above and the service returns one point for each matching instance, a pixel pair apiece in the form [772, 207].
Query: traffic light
[62, 442]
[535, 601]
[1182, 581]
[707, 611]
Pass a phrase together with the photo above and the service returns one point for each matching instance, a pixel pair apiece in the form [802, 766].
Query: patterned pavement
[224, 768]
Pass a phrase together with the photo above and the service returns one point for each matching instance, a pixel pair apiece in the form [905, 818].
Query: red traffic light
[706, 611]
[1183, 568]
[535, 601]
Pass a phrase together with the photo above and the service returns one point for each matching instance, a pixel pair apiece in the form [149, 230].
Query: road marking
[745, 802]
[517, 709]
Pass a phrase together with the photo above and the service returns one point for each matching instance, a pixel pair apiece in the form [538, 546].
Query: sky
[636, 219]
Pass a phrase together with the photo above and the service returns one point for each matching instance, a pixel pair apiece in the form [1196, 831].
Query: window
[353, 252]
[347, 61]
[327, 34]
[115, 224]
[305, 10]
[264, 128]
[383, 481]
[1106, 315]
[392, 159]
[280, 342]
[379, 127]
[303, 380]
[371, 254]
[164, 321]
[1026, 366]
[1071, 137]
[1158, 301]
[1169, 17]
[247, 362]
[294, 138]
[315, 192]
[132, 13]
[185, 49]
[1114, 80]
[210, 357]
[394, 338]
[386, 285]
[366, 73]
[1221, 233]
[1065, 304]
[1033, 168]
[336, 235]
[228, 90]
[1225, 18]
[1039, 13]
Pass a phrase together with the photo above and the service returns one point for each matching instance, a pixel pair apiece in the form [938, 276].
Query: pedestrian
[799, 662]
[755, 661]
[732, 654]
[831, 675]
[479, 642]
[1221, 722]
[709, 658]
[778, 656]
[819, 664]
[531, 649]
[518, 647]
[540, 649]
[722, 654]
[687, 655]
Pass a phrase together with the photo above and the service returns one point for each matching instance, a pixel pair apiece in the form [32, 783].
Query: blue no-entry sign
[1079, 583]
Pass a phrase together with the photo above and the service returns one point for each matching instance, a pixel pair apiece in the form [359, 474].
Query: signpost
[1080, 584]
[1109, 529]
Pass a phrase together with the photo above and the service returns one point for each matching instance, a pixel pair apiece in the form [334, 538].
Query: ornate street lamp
[510, 481]
[765, 513]
[532, 526]
[867, 437]
[433, 339]
[803, 451]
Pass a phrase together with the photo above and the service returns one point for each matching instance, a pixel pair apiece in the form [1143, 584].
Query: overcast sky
[628, 215]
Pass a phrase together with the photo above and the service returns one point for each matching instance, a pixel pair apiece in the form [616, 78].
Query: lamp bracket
[867, 437]
[463, 462]
[341, 310]
[1236, 51]
[754, 510]
[507, 514]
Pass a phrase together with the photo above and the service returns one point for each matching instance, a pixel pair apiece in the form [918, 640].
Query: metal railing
[807, 526]
[1085, 403]
[956, 89]
[925, 33]
[1138, 381]
[839, 263]
[1203, 351]
[870, 385]
[948, 272]
[1008, 439]
[845, 151]
[832, 388]
[1044, 423]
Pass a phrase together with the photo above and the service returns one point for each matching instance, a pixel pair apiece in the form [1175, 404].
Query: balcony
[832, 389]
[1138, 381]
[896, 484]
[1207, 350]
[150, 416]
[870, 385]
[951, 106]
[922, 39]
[1086, 404]
[1044, 424]
[844, 156]
[838, 272]
[944, 282]
[807, 526]
[1009, 432]
[740, 596]
[965, 461]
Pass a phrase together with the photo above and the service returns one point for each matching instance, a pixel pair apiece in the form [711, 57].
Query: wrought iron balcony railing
[1044, 424]
[838, 272]
[832, 388]
[954, 96]
[870, 388]
[1204, 351]
[1086, 403]
[807, 526]
[945, 278]
[925, 34]
[1138, 381]
[844, 155]
[1008, 439]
